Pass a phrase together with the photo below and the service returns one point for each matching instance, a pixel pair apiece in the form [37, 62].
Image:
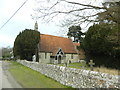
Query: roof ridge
[54, 36]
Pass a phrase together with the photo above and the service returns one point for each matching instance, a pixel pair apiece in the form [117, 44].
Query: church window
[71, 56]
[55, 57]
[45, 55]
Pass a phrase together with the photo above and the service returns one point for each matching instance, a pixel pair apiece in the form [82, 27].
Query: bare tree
[76, 12]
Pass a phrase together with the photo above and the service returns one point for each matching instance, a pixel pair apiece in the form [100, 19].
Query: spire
[36, 26]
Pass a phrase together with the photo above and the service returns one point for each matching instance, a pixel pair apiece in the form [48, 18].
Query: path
[6, 79]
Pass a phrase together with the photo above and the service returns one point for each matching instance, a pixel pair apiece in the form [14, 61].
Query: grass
[29, 78]
[107, 70]
[98, 69]
[77, 65]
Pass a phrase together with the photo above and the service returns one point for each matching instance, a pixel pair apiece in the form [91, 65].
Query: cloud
[19, 22]
[111, 0]
[6, 40]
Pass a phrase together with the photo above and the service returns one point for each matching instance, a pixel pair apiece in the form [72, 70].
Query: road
[6, 79]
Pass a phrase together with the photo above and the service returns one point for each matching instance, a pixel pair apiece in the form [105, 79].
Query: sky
[21, 21]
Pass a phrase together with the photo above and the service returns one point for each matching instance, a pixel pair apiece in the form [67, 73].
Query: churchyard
[97, 69]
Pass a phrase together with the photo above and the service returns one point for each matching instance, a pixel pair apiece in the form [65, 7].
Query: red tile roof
[76, 44]
[49, 43]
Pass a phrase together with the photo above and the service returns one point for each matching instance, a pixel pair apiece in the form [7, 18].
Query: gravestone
[66, 63]
[91, 63]
[34, 58]
[83, 62]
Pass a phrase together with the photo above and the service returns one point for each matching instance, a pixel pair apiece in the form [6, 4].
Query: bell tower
[36, 26]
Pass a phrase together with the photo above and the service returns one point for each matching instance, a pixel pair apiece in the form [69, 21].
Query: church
[57, 50]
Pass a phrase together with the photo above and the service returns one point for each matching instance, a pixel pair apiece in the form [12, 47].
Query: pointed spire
[36, 26]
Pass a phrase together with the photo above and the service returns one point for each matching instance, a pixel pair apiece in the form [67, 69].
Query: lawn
[29, 78]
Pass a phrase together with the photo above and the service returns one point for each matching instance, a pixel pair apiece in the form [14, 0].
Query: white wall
[76, 78]
[75, 57]
[42, 58]
[67, 57]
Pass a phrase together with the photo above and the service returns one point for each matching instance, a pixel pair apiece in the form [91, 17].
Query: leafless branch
[73, 12]
[87, 5]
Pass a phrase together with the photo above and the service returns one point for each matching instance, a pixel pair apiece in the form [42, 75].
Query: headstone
[34, 58]
[55, 62]
[66, 62]
[91, 64]
[83, 62]
[69, 61]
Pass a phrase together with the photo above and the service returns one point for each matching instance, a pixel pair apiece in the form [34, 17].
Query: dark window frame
[45, 55]
[72, 56]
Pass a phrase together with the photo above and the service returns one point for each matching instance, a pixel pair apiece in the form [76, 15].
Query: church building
[55, 49]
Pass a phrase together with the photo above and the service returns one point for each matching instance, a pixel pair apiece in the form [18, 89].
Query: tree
[25, 44]
[76, 12]
[112, 18]
[95, 41]
[101, 41]
[7, 52]
[111, 15]
[75, 32]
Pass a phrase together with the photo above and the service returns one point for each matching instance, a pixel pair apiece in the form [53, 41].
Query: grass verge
[29, 78]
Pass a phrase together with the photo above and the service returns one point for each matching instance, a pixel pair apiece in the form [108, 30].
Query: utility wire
[13, 14]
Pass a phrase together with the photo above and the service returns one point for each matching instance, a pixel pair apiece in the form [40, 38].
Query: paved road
[6, 79]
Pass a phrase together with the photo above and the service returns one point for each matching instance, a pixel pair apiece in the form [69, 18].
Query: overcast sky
[21, 21]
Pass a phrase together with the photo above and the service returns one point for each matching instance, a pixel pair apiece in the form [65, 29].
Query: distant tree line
[7, 52]
[25, 44]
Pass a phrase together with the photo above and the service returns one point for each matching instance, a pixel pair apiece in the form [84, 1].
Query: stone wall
[75, 78]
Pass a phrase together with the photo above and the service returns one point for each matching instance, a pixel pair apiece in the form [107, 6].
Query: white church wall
[74, 59]
[47, 59]
[41, 57]
[68, 57]
[44, 57]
